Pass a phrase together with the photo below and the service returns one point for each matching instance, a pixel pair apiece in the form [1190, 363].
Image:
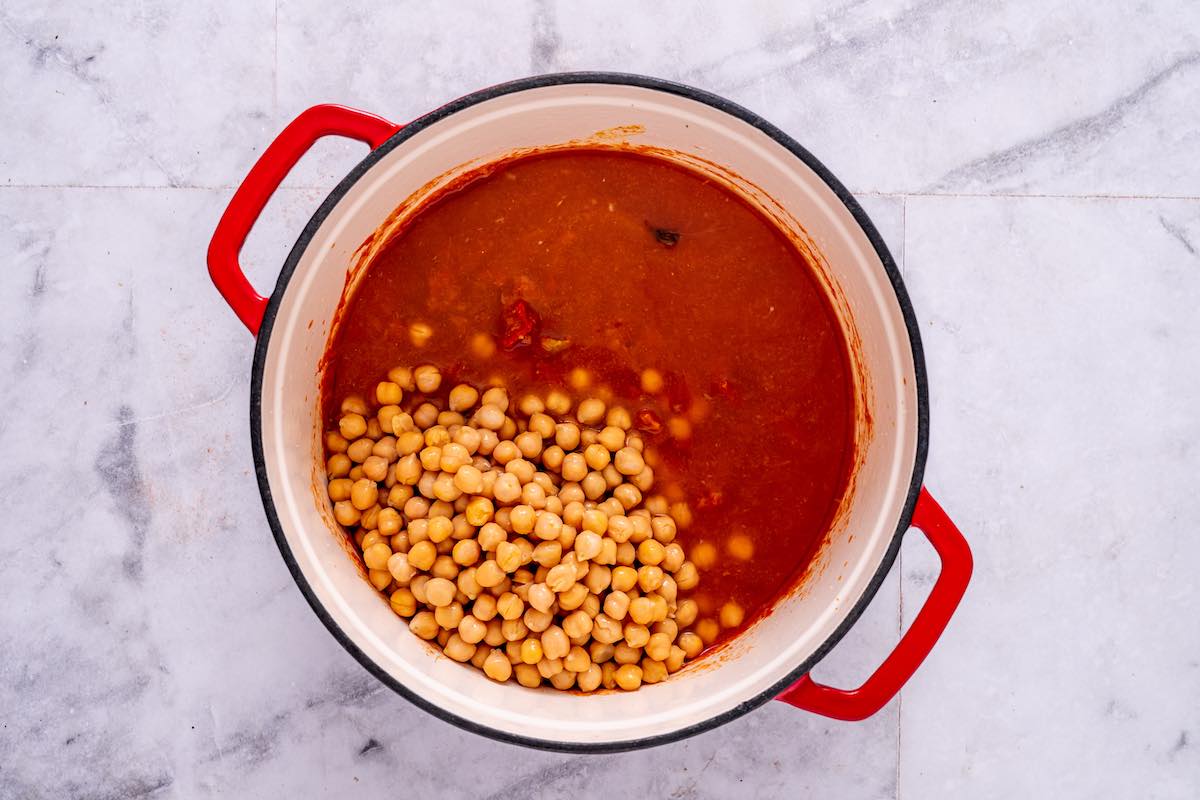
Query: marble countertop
[1034, 167]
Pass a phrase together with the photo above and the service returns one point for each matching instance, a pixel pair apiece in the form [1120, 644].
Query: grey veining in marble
[1032, 166]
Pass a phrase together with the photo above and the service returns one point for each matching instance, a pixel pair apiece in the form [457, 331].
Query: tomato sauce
[615, 262]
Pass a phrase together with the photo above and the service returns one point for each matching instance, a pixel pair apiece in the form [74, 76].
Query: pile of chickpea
[519, 535]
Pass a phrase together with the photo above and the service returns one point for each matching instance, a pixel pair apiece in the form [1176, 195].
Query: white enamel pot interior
[792, 185]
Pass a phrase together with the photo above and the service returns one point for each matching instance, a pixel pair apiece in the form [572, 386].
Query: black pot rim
[536, 82]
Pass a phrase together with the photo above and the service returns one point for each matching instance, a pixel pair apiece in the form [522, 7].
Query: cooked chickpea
[593, 485]
[401, 569]
[597, 456]
[489, 574]
[740, 546]
[641, 610]
[708, 630]
[428, 378]
[589, 680]
[484, 608]
[691, 644]
[577, 623]
[650, 552]
[379, 578]
[471, 630]
[497, 667]
[364, 494]
[338, 465]
[403, 602]
[629, 461]
[686, 577]
[547, 554]
[465, 552]
[629, 677]
[529, 443]
[424, 625]
[459, 650]
[376, 556]
[449, 616]
[616, 605]
[388, 393]
[654, 671]
[663, 528]
[531, 651]
[624, 578]
[422, 554]
[507, 488]
[561, 577]
[590, 411]
[652, 381]
[732, 615]
[440, 592]
[352, 426]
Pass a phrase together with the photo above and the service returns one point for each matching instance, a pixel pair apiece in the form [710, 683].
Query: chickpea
[428, 378]
[587, 544]
[595, 521]
[732, 615]
[471, 630]
[490, 417]
[449, 616]
[653, 671]
[425, 416]
[650, 577]
[597, 456]
[479, 511]
[376, 556]
[416, 508]
[576, 660]
[422, 554]
[401, 568]
[508, 556]
[440, 592]
[497, 667]
[458, 650]
[589, 680]
[624, 578]
[641, 610]
[338, 465]
[663, 528]
[531, 651]
[686, 577]
[352, 426]
[594, 485]
[573, 598]
[616, 605]
[571, 492]
[485, 607]
[490, 536]
[417, 587]
[636, 635]
[554, 643]
[608, 553]
[606, 629]
[523, 519]
[598, 579]
[507, 488]
[424, 625]
[524, 470]
[511, 607]
[590, 411]
[403, 602]
[465, 552]
[339, 489]
[577, 623]
[439, 529]
[388, 393]
[619, 418]
[707, 630]
[550, 668]
[363, 494]
[335, 442]
[514, 630]
[495, 633]
[381, 579]
[626, 554]
[547, 554]
[489, 574]
[529, 443]
[629, 677]
[650, 552]
[691, 644]
[629, 461]
[533, 495]
[360, 450]
[561, 577]
[527, 675]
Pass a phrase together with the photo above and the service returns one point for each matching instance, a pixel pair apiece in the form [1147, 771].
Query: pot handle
[857, 704]
[262, 181]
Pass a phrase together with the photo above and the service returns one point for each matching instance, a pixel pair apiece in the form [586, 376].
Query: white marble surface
[1033, 167]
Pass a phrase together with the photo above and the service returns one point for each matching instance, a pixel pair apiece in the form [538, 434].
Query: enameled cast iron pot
[770, 660]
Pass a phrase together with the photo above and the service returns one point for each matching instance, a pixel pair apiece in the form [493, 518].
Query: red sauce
[636, 262]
